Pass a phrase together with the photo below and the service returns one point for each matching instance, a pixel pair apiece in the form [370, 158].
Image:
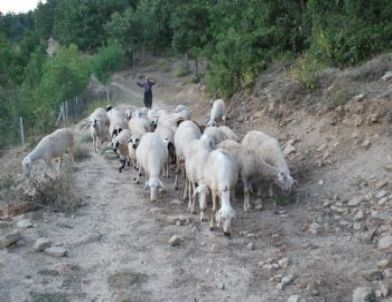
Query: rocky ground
[330, 240]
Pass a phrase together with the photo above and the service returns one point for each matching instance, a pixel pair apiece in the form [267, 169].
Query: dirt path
[118, 248]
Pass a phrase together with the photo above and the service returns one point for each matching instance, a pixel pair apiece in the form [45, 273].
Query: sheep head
[224, 218]
[155, 186]
[26, 166]
[134, 142]
[284, 181]
[202, 191]
[211, 123]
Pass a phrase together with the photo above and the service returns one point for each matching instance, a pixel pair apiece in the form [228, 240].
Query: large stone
[56, 251]
[250, 246]
[385, 242]
[363, 294]
[372, 275]
[381, 194]
[384, 263]
[380, 184]
[9, 239]
[384, 288]
[355, 201]
[293, 298]
[387, 76]
[24, 224]
[175, 240]
[284, 262]
[359, 215]
[289, 149]
[41, 244]
[314, 228]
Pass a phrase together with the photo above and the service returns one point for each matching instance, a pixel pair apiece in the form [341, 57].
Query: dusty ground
[117, 242]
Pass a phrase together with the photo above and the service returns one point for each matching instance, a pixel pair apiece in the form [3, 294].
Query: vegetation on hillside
[237, 39]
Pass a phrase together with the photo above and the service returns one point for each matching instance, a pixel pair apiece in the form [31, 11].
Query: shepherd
[147, 85]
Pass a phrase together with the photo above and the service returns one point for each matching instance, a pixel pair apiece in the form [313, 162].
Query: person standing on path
[147, 85]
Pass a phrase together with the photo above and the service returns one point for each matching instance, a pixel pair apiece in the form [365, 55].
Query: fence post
[22, 135]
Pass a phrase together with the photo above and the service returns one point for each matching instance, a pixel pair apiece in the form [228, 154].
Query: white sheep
[138, 127]
[269, 150]
[214, 136]
[120, 146]
[167, 134]
[251, 166]
[152, 156]
[183, 111]
[220, 176]
[118, 122]
[99, 127]
[218, 113]
[186, 132]
[126, 109]
[229, 133]
[50, 147]
[140, 112]
[196, 156]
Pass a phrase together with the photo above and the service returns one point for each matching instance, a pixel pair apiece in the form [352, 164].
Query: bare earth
[118, 246]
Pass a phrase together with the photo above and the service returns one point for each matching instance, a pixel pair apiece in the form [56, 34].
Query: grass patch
[306, 70]
[121, 280]
[82, 152]
[53, 193]
[180, 72]
[86, 138]
[49, 297]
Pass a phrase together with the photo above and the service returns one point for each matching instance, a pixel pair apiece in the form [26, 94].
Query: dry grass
[54, 193]
[82, 152]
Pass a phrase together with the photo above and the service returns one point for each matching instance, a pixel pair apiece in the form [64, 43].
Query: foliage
[305, 71]
[107, 60]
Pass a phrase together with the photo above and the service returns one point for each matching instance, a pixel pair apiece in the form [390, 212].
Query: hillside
[329, 237]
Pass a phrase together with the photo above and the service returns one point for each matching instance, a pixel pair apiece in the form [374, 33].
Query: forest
[237, 39]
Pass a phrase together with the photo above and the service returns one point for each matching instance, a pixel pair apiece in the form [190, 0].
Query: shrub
[305, 71]
[81, 152]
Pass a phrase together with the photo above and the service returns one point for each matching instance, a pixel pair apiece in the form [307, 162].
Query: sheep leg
[185, 191]
[167, 170]
[138, 175]
[247, 188]
[177, 172]
[213, 218]
[193, 198]
[270, 191]
[189, 187]
[122, 161]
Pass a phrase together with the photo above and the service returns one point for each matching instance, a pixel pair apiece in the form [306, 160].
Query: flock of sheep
[212, 157]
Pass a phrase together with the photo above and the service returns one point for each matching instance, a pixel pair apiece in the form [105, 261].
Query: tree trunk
[187, 62]
[196, 67]
[107, 93]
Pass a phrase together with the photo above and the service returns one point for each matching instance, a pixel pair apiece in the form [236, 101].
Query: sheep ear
[114, 133]
[119, 130]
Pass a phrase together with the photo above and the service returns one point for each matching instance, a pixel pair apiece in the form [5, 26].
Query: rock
[31, 215]
[284, 262]
[363, 294]
[387, 76]
[357, 226]
[321, 182]
[358, 121]
[293, 298]
[366, 143]
[381, 194]
[382, 201]
[321, 147]
[355, 201]
[359, 97]
[250, 246]
[41, 244]
[384, 242]
[384, 288]
[359, 215]
[387, 273]
[337, 209]
[9, 239]
[372, 275]
[175, 240]
[384, 263]
[289, 149]
[380, 184]
[370, 235]
[258, 207]
[24, 224]
[221, 286]
[56, 251]
[286, 281]
[314, 228]
[176, 202]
